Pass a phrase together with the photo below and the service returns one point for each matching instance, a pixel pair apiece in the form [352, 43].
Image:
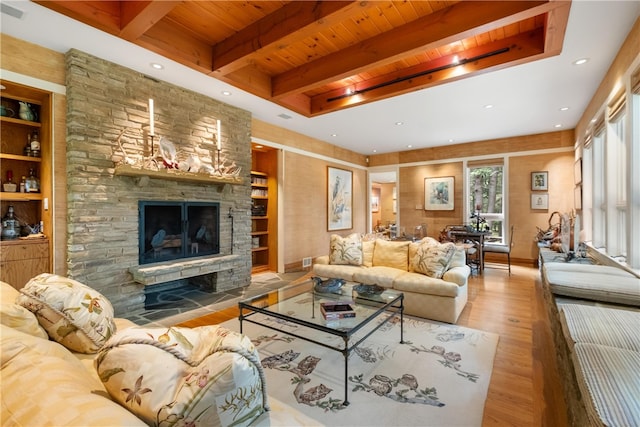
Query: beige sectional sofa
[432, 276]
[67, 362]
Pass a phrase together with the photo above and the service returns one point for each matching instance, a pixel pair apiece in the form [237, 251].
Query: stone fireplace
[107, 116]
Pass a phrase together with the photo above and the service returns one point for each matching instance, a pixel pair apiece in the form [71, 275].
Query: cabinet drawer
[22, 250]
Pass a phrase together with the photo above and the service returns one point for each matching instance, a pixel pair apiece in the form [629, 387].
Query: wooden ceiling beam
[520, 49]
[164, 38]
[137, 17]
[556, 27]
[295, 21]
[104, 15]
[457, 22]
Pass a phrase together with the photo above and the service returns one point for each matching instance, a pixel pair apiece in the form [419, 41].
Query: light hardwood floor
[525, 389]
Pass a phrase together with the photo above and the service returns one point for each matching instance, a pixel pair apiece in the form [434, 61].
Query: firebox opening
[175, 230]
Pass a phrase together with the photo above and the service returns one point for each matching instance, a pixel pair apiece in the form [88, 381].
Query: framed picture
[339, 199]
[375, 203]
[577, 172]
[577, 197]
[438, 194]
[540, 201]
[540, 180]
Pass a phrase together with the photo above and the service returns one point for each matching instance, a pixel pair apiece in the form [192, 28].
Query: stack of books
[335, 310]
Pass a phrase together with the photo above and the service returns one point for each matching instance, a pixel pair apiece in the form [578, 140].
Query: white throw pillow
[346, 250]
[433, 259]
[73, 314]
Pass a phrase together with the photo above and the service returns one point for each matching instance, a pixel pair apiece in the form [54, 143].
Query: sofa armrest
[457, 275]
[324, 259]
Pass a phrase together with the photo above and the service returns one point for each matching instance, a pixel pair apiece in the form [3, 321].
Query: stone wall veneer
[102, 213]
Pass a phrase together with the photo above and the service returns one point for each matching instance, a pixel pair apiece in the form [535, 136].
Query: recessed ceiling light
[558, 125]
[226, 93]
[488, 106]
[409, 146]
[451, 140]
[334, 135]
[375, 151]
[157, 66]
[580, 61]
[593, 120]
[399, 123]
[564, 108]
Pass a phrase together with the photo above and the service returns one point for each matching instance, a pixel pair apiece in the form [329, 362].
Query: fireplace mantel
[153, 274]
[177, 175]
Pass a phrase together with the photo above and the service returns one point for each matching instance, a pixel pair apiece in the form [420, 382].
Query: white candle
[218, 138]
[151, 127]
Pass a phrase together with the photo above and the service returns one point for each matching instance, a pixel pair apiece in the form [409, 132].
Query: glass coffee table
[300, 304]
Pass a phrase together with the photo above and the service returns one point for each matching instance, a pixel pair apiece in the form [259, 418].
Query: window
[486, 197]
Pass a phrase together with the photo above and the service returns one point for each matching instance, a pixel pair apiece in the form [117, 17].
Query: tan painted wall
[304, 198]
[525, 220]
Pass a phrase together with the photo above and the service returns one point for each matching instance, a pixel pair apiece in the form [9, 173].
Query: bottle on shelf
[9, 186]
[27, 148]
[35, 144]
[10, 225]
[23, 184]
[32, 184]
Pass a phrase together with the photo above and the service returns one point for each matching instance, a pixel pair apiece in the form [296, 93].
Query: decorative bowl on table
[329, 286]
[363, 289]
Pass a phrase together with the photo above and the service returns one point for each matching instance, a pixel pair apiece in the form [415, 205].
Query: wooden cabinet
[259, 221]
[30, 208]
[20, 260]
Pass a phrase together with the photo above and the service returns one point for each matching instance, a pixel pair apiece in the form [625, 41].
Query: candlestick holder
[152, 136]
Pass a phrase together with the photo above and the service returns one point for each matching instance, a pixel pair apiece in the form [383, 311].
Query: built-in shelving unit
[264, 212]
[259, 221]
[22, 259]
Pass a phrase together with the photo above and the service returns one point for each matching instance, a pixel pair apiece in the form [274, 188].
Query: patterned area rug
[438, 377]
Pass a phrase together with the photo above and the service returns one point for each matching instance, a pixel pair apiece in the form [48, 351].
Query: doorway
[383, 197]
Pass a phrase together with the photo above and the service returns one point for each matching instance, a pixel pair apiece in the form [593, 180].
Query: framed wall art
[540, 201]
[540, 180]
[577, 172]
[438, 194]
[339, 199]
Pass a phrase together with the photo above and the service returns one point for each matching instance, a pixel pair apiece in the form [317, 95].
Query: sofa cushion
[345, 250]
[73, 314]
[43, 384]
[368, 247]
[433, 259]
[345, 272]
[15, 316]
[421, 284]
[377, 275]
[393, 254]
[209, 374]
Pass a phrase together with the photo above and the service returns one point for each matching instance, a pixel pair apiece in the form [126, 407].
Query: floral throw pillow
[433, 259]
[346, 250]
[176, 376]
[73, 314]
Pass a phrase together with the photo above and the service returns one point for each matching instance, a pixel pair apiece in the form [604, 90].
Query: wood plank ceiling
[315, 57]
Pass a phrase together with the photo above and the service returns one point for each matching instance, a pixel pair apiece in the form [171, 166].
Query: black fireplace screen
[174, 230]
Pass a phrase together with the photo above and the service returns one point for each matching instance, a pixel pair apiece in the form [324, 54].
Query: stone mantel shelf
[177, 175]
[162, 272]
